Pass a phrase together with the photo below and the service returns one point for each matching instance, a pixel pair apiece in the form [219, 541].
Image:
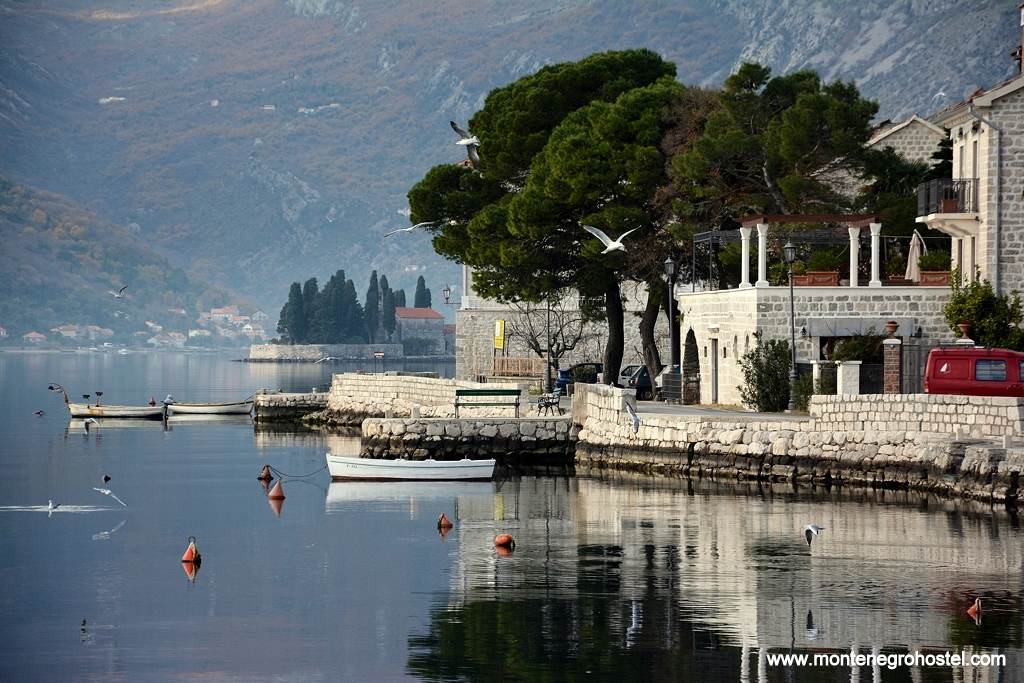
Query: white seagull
[105, 535]
[108, 492]
[633, 417]
[119, 294]
[410, 229]
[609, 245]
[324, 360]
[51, 507]
[812, 530]
[470, 142]
[88, 421]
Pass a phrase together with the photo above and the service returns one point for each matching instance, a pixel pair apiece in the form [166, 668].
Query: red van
[975, 371]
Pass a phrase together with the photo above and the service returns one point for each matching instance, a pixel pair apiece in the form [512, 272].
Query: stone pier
[287, 407]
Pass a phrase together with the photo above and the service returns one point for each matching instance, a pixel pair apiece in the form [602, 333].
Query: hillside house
[67, 331]
[914, 139]
[33, 337]
[421, 330]
[3, 332]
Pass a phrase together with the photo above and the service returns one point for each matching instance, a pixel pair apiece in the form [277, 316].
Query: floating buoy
[504, 541]
[276, 493]
[443, 531]
[190, 569]
[974, 611]
[192, 552]
[276, 504]
[265, 474]
[505, 550]
[443, 522]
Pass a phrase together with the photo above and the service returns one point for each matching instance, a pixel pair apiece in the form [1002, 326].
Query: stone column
[848, 377]
[762, 255]
[954, 252]
[854, 253]
[876, 240]
[815, 375]
[745, 259]
[967, 272]
[892, 366]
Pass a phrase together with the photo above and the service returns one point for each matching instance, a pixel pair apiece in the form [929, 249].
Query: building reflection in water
[688, 583]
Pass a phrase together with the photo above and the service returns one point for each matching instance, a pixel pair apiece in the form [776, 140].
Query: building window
[990, 371]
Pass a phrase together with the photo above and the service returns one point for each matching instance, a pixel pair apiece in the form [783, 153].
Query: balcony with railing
[947, 195]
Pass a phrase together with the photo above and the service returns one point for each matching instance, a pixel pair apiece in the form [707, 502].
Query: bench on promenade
[466, 398]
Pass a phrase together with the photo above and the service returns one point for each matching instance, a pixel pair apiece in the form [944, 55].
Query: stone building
[420, 330]
[914, 139]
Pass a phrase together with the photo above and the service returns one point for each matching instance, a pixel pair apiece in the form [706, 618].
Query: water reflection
[652, 577]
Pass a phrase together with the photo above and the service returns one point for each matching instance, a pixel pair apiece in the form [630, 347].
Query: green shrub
[934, 260]
[865, 347]
[766, 375]
[896, 266]
[825, 260]
[995, 318]
[803, 390]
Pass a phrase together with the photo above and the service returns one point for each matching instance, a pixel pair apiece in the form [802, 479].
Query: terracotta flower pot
[934, 278]
[965, 329]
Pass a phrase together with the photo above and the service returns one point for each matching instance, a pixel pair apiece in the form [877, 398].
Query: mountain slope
[253, 141]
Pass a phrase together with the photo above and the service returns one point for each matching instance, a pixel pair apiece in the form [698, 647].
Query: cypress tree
[295, 321]
[388, 313]
[311, 309]
[353, 328]
[419, 298]
[371, 309]
[400, 298]
[426, 297]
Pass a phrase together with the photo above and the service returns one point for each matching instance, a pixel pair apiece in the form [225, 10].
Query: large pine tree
[371, 309]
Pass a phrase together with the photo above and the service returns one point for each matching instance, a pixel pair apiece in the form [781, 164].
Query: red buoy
[276, 493]
[974, 611]
[192, 552]
[190, 569]
[504, 541]
[265, 474]
[276, 504]
[443, 522]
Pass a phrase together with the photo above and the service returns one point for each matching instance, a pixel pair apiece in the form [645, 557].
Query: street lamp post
[672, 387]
[547, 350]
[789, 255]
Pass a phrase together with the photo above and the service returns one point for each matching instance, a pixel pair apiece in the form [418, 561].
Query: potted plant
[934, 267]
[896, 270]
[822, 269]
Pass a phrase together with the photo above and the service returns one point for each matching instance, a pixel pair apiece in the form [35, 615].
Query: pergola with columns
[853, 222]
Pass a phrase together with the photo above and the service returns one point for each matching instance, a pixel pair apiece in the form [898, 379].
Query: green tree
[387, 312]
[487, 219]
[295, 315]
[995, 319]
[420, 297]
[353, 323]
[400, 298]
[766, 375]
[371, 309]
[942, 160]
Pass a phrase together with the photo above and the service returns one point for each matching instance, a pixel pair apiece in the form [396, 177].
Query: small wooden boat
[138, 412]
[231, 408]
[375, 469]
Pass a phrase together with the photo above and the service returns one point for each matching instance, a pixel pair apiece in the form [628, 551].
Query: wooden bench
[489, 398]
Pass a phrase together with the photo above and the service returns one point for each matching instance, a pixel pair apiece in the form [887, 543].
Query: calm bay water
[616, 578]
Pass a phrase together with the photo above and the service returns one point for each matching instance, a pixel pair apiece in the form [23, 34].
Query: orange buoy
[974, 611]
[192, 552]
[505, 550]
[276, 493]
[276, 504]
[443, 531]
[265, 474]
[504, 541]
[443, 522]
[190, 569]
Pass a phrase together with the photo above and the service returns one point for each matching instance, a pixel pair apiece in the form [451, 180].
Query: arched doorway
[691, 370]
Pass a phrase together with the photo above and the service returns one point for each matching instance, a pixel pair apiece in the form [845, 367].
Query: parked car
[974, 371]
[584, 373]
[641, 382]
[626, 373]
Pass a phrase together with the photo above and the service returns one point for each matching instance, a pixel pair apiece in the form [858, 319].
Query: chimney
[1018, 52]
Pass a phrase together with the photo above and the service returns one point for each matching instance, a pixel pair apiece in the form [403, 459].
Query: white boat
[376, 469]
[232, 408]
[85, 410]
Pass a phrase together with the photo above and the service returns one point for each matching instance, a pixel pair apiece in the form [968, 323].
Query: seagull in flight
[324, 360]
[812, 530]
[108, 492]
[51, 507]
[119, 294]
[106, 478]
[88, 421]
[470, 142]
[609, 244]
[410, 229]
[39, 413]
[633, 417]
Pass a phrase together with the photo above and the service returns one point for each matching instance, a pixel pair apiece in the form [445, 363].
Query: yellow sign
[499, 334]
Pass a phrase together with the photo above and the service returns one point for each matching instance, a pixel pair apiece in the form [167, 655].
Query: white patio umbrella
[917, 247]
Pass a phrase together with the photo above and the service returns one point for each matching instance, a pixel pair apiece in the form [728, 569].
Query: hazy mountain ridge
[261, 140]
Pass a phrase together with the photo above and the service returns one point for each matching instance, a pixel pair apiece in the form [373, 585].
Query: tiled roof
[418, 313]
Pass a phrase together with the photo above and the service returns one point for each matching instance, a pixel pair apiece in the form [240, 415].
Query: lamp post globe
[447, 294]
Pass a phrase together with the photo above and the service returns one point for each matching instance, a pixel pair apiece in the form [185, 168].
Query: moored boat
[230, 408]
[143, 412]
[375, 469]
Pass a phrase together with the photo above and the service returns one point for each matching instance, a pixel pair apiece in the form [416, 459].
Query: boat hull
[238, 408]
[374, 469]
[137, 412]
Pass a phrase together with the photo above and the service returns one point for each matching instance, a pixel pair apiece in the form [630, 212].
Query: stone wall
[731, 317]
[354, 397]
[879, 441]
[313, 352]
[1008, 113]
[290, 407]
[532, 440]
[915, 142]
